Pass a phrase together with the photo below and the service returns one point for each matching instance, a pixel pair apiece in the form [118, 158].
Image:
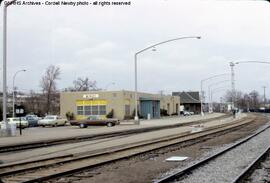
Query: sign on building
[90, 96]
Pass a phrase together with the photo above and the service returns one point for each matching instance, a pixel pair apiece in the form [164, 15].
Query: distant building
[101, 103]
[190, 100]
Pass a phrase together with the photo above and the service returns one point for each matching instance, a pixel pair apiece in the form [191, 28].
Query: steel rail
[190, 168]
[47, 143]
[251, 166]
[230, 127]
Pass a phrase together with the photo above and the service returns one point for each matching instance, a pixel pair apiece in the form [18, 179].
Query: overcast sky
[100, 42]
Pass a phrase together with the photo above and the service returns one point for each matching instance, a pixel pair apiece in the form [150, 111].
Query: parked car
[93, 120]
[24, 123]
[32, 120]
[52, 120]
[186, 113]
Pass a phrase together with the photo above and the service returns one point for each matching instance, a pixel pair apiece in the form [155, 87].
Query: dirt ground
[148, 167]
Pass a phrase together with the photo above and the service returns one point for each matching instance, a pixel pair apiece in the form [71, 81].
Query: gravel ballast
[226, 167]
[261, 174]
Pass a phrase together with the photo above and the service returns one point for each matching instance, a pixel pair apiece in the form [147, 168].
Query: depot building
[122, 103]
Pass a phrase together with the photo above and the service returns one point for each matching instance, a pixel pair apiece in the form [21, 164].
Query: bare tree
[35, 103]
[83, 84]
[48, 85]
[245, 101]
[255, 99]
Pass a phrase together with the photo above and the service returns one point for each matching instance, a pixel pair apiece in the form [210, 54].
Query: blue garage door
[151, 107]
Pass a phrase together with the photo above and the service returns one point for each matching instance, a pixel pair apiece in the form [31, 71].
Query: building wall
[122, 102]
[170, 103]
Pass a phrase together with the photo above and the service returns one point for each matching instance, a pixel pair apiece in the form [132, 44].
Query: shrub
[133, 114]
[70, 115]
[163, 112]
[110, 114]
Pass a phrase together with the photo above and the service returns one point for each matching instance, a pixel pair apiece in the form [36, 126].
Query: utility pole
[220, 106]
[232, 83]
[202, 98]
[5, 6]
[264, 100]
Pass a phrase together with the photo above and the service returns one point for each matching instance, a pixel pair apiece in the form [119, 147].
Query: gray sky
[100, 42]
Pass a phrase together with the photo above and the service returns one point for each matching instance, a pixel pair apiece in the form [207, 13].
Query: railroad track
[45, 169]
[47, 143]
[251, 167]
[181, 175]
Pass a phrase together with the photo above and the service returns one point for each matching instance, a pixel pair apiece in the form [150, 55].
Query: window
[95, 110]
[50, 117]
[87, 110]
[91, 110]
[127, 110]
[80, 110]
[102, 110]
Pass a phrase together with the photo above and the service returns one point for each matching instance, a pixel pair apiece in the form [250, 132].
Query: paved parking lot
[50, 133]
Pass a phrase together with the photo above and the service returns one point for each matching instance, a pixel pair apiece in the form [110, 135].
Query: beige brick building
[100, 103]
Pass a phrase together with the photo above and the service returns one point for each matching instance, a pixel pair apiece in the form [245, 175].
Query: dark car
[93, 120]
[32, 120]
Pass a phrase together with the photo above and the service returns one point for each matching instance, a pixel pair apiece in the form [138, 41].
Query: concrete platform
[93, 146]
[39, 134]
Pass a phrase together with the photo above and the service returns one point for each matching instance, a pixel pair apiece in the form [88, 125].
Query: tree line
[48, 100]
[250, 100]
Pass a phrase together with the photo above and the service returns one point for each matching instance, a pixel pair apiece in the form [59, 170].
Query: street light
[215, 90]
[232, 64]
[264, 100]
[135, 56]
[260, 62]
[232, 83]
[5, 5]
[206, 79]
[209, 92]
[13, 94]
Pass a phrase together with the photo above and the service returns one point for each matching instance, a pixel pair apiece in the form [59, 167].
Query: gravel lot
[225, 168]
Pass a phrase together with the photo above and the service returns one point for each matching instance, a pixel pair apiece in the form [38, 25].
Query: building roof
[188, 97]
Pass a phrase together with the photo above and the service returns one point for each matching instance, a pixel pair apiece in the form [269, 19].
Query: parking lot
[36, 134]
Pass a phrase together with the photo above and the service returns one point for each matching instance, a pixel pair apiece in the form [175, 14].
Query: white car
[186, 113]
[17, 121]
[52, 120]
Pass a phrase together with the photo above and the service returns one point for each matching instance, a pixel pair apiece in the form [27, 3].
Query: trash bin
[148, 116]
[13, 128]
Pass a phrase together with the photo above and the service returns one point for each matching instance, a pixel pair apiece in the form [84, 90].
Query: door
[168, 109]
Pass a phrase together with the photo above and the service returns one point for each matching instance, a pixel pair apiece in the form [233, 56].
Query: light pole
[136, 118]
[232, 64]
[232, 84]
[13, 93]
[5, 5]
[264, 100]
[206, 79]
[107, 86]
[209, 93]
[217, 90]
[221, 105]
